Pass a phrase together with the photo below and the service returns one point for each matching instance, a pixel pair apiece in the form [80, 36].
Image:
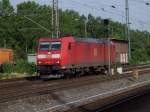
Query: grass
[21, 69]
[4, 76]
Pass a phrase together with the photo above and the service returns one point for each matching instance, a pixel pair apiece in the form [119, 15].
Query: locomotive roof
[87, 40]
[91, 40]
[119, 40]
[49, 39]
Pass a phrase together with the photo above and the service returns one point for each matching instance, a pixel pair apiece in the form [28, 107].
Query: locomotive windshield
[44, 46]
[55, 46]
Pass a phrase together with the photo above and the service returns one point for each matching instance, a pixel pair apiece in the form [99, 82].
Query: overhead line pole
[127, 31]
[55, 19]
[52, 19]
[85, 26]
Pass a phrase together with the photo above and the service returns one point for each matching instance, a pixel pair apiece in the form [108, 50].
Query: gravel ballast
[66, 99]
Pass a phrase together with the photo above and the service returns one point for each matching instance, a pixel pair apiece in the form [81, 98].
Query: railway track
[11, 82]
[131, 67]
[48, 87]
[12, 90]
[113, 102]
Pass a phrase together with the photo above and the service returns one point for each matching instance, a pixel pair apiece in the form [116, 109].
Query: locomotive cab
[48, 57]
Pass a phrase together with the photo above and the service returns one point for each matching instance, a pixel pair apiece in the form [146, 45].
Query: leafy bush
[9, 68]
[21, 66]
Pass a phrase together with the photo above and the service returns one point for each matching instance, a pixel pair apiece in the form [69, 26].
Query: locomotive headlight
[41, 56]
[55, 56]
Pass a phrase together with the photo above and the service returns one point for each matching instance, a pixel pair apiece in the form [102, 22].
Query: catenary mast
[127, 31]
[55, 19]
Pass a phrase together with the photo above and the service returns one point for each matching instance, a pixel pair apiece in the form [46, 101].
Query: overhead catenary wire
[93, 7]
[141, 1]
[98, 9]
[37, 24]
[110, 12]
[104, 9]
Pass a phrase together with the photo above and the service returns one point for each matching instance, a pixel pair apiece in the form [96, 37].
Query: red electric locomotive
[69, 55]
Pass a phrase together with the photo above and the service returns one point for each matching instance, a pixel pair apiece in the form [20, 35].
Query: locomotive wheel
[67, 76]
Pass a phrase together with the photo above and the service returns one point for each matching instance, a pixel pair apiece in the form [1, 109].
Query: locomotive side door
[71, 54]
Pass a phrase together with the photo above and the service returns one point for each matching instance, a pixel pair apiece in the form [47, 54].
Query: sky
[139, 11]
